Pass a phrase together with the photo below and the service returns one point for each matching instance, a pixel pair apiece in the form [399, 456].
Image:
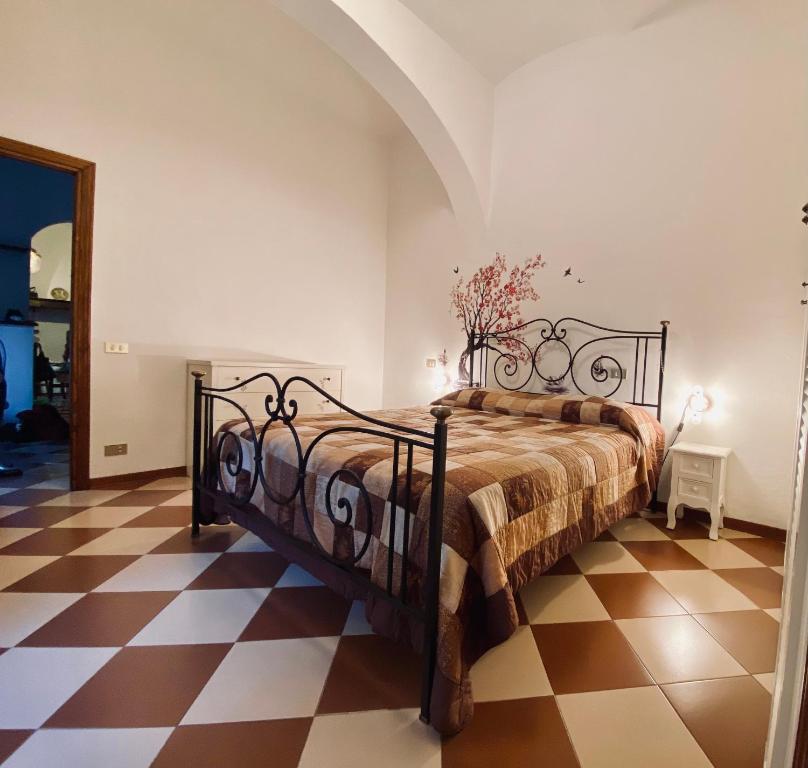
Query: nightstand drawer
[693, 489]
[696, 466]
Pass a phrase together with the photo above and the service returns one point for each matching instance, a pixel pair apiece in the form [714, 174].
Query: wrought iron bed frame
[215, 454]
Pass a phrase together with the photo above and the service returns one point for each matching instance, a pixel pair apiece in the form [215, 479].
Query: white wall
[668, 168]
[423, 245]
[241, 198]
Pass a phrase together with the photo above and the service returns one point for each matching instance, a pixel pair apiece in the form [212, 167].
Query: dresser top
[702, 450]
[267, 363]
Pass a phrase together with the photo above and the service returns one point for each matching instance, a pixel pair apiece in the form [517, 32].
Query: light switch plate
[431, 362]
[119, 449]
[116, 347]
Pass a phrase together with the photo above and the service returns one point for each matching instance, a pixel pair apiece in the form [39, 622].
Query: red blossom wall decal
[490, 303]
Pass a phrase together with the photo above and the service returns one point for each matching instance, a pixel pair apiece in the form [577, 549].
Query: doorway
[45, 256]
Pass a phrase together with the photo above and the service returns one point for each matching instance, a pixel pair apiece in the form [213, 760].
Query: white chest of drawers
[698, 480]
[227, 373]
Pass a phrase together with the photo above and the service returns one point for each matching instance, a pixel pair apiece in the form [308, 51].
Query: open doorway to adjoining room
[45, 240]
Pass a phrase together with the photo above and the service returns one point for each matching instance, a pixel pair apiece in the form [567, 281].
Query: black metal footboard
[220, 475]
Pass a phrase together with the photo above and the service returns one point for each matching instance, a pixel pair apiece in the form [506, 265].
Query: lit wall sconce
[441, 379]
[698, 403]
[36, 262]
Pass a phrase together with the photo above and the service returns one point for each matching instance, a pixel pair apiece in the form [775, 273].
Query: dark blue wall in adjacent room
[31, 197]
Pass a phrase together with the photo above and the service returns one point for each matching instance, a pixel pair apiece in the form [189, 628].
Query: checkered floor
[124, 643]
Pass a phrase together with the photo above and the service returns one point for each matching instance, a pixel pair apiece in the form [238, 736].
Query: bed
[436, 516]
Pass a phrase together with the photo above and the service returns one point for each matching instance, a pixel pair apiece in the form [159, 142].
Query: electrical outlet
[116, 347]
[119, 449]
[617, 373]
[431, 362]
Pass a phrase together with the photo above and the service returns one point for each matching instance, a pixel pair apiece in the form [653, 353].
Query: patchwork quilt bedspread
[528, 479]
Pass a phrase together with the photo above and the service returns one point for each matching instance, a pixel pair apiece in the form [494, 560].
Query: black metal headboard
[573, 355]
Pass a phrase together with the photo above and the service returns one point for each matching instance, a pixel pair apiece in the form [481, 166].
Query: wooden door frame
[80, 290]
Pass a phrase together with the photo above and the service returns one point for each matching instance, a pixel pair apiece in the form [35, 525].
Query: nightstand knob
[695, 489]
[696, 465]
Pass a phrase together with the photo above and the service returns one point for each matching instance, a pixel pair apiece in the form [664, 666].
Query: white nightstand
[698, 479]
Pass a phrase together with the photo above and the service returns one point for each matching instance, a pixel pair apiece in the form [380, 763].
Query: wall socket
[119, 449]
[617, 373]
[116, 347]
[431, 362]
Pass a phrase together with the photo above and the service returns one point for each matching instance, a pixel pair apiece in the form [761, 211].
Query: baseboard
[758, 529]
[134, 479]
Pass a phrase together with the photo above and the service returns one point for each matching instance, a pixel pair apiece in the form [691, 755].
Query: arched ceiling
[499, 36]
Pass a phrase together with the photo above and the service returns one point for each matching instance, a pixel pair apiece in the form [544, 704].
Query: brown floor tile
[298, 612]
[588, 656]
[663, 556]
[246, 745]
[371, 672]
[141, 499]
[750, 636]
[10, 741]
[161, 517]
[28, 497]
[141, 687]
[566, 566]
[214, 538]
[769, 552]
[685, 529]
[512, 734]
[101, 619]
[762, 586]
[633, 595]
[73, 574]
[728, 717]
[241, 570]
[39, 517]
[53, 541]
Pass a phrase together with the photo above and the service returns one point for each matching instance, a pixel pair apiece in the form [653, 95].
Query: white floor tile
[775, 613]
[56, 484]
[606, 557]
[294, 671]
[553, 599]
[703, 591]
[182, 499]
[159, 573]
[357, 624]
[35, 682]
[90, 748]
[15, 567]
[511, 670]
[127, 541]
[6, 510]
[629, 728]
[23, 612]
[731, 533]
[636, 529]
[295, 576]
[202, 616]
[249, 542]
[101, 517]
[779, 569]
[766, 680]
[394, 738]
[82, 499]
[10, 535]
[678, 649]
[719, 554]
[168, 484]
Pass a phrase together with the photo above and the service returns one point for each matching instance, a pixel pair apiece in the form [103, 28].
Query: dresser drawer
[693, 489]
[698, 467]
[308, 402]
[329, 379]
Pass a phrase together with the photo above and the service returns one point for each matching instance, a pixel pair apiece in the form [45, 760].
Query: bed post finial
[441, 412]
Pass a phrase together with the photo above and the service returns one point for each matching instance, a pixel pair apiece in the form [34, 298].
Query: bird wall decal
[456, 270]
[567, 271]
[581, 282]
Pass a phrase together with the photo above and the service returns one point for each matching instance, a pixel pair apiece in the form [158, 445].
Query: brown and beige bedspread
[528, 479]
